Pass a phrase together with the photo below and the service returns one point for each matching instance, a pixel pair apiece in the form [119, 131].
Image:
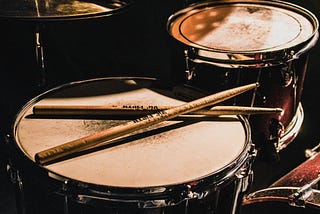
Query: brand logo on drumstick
[79, 145]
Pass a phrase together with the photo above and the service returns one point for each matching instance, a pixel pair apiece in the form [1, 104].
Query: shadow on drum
[181, 122]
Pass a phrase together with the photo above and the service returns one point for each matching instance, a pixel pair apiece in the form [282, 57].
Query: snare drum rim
[263, 57]
[180, 191]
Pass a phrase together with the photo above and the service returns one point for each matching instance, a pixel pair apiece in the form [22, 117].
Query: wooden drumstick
[125, 110]
[72, 147]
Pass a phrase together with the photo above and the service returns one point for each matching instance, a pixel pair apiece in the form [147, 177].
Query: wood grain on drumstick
[81, 110]
[75, 146]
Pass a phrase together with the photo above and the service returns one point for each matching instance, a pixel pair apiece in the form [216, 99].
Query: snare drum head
[172, 152]
[242, 26]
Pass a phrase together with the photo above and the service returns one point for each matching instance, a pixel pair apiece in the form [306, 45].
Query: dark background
[132, 43]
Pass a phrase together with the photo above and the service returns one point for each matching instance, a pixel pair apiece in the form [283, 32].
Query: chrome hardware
[19, 189]
[276, 130]
[311, 152]
[245, 174]
[244, 179]
[189, 71]
[287, 73]
[299, 198]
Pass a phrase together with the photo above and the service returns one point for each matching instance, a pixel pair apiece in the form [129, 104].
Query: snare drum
[190, 164]
[231, 43]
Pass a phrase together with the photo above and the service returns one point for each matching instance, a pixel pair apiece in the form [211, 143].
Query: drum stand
[40, 56]
[13, 173]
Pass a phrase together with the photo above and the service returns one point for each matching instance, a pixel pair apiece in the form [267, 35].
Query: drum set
[179, 160]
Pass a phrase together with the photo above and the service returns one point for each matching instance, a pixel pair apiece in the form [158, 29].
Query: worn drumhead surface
[242, 27]
[171, 152]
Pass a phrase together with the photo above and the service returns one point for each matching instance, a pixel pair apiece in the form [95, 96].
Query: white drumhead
[171, 152]
[242, 26]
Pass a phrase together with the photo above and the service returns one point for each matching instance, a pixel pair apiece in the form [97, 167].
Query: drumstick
[95, 110]
[72, 147]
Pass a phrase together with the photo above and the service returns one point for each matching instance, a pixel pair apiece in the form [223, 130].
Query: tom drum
[231, 43]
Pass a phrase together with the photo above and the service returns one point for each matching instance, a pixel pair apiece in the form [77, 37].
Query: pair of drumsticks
[166, 113]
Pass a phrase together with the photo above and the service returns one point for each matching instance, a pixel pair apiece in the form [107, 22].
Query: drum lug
[195, 195]
[14, 176]
[13, 173]
[276, 129]
[243, 182]
[245, 174]
[16, 179]
[287, 72]
[64, 193]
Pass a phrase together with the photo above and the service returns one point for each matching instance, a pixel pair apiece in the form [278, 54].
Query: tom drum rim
[256, 25]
